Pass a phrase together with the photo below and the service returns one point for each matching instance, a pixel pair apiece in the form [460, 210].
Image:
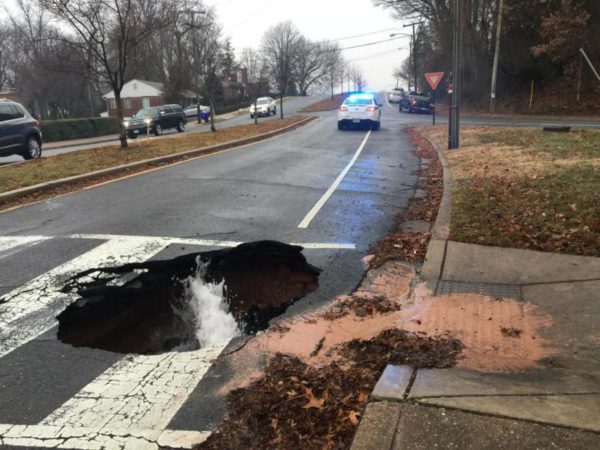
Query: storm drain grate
[489, 289]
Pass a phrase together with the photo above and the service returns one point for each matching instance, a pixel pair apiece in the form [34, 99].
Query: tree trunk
[123, 133]
[213, 128]
[281, 105]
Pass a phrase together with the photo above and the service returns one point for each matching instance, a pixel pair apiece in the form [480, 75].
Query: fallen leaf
[353, 417]
[313, 402]
[363, 396]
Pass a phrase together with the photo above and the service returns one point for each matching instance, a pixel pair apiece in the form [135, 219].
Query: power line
[345, 48]
[359, 35]
[387, 52]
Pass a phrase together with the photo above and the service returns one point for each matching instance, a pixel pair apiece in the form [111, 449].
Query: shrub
[64, 129]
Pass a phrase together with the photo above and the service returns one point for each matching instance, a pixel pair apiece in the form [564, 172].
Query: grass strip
[525, 188]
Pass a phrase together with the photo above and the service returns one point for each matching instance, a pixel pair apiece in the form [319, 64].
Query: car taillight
[414, 102]
[36, 123]
[371, 108]
[343, 108]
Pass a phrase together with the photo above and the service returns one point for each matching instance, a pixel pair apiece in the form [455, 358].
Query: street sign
[434, 78]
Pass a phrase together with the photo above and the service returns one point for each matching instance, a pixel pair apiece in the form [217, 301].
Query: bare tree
[358, 78]
[334, 66]
[311, 62]
[208, 57]
[111, 31]
[5, 54]
[251, 60]
[279, 49]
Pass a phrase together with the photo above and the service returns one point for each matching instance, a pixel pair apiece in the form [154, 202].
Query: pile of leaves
[361, 307]
[410, 246]
[296, 406]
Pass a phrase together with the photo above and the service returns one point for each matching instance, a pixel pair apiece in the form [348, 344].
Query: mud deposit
[143, 308]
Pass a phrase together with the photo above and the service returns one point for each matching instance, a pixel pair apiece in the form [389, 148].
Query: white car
[264, 107]
[396, 95]
[359, 109]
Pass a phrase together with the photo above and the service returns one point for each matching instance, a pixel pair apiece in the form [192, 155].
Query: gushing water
[210, 316]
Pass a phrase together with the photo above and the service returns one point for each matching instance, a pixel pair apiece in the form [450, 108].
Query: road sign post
[434, 78]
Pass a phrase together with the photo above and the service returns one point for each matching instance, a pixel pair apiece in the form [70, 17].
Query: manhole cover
[186, 302]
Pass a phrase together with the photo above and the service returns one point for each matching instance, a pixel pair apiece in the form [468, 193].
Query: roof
[143, 88]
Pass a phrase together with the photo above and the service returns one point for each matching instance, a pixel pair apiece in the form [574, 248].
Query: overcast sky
[245, 21]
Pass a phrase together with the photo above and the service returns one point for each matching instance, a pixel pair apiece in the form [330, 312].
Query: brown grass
[525, 188]
[86, 161]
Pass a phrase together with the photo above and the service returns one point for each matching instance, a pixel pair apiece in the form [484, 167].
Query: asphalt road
[261, 191]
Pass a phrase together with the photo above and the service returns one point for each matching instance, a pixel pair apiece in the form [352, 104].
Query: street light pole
[453, 123]
[496, 56]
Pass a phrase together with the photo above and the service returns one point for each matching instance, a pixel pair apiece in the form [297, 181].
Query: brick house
[138, 94]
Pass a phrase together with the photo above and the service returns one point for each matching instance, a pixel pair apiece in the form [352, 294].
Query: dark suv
[19, 132]
[155, 119]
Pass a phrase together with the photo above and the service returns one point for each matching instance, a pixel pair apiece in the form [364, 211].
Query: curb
[432, 268]
[10, 195]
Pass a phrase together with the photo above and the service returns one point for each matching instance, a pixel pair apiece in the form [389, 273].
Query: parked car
[359, 109]
[155, 120]
[396, 95]
[264, 107]
[416, 102]
[20, 132]
[192, 110]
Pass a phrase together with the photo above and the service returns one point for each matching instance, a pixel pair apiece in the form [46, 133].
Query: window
[146, 102]
[112, 103]
[7, 112]
[127, 103]
[19, 113]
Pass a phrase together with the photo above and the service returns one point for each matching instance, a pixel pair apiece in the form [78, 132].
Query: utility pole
[414, 52]
[496, 57]
[454, 123]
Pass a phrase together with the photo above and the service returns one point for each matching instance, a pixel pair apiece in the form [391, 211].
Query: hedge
[65, 129]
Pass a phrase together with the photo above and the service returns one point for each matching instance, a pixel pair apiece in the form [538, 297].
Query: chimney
[245, 75]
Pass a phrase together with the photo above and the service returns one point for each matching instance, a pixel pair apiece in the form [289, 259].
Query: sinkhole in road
[185, 303]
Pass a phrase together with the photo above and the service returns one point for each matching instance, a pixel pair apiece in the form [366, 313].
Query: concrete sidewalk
[556, 405]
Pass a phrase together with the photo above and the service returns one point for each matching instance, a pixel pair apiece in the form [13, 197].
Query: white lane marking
[215, 243]
[141, 392]
[7, 242]
[315, 209]
[44, 290]
[44, 436]
[9, 245]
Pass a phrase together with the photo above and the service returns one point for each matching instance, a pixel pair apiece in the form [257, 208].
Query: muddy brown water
[135, 308]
